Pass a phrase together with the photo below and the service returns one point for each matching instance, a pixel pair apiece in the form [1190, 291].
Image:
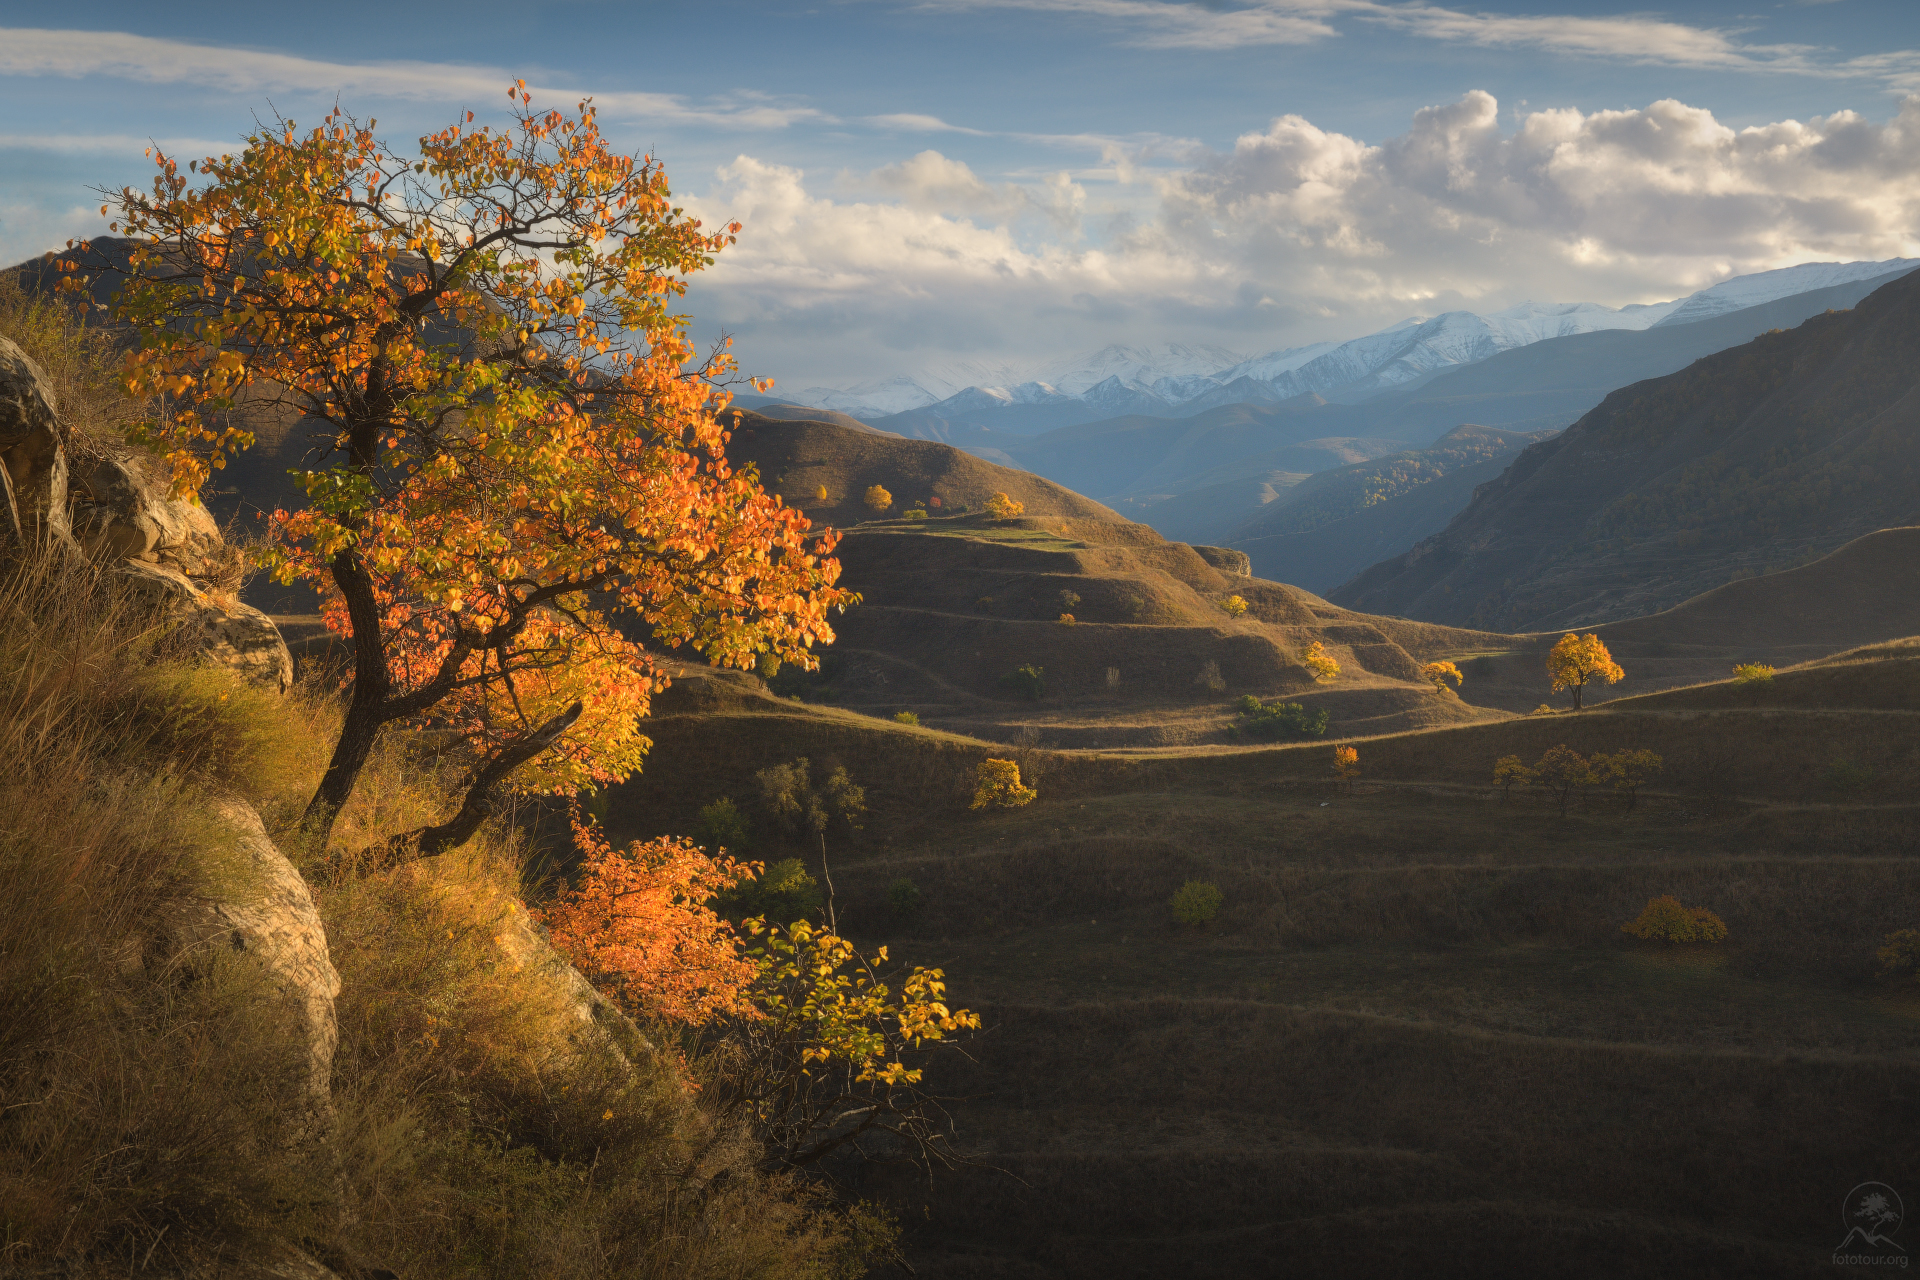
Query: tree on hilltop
[513, 445]
[1576, 660]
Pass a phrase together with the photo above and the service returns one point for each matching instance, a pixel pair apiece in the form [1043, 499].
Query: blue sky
[1003, 182]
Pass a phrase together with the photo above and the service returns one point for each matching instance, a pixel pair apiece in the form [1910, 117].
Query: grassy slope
[1415, 1037]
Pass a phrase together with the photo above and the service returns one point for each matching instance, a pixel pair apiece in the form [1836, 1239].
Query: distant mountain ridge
[1180, 380]
[1757, 458]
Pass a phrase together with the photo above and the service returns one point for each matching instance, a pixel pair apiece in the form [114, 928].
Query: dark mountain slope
[1760, 457]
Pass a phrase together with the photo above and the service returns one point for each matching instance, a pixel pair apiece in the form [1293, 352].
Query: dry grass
[80, 361]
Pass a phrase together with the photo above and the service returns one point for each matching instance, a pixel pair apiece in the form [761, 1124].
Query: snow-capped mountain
[1765, 286]
[1176, 380]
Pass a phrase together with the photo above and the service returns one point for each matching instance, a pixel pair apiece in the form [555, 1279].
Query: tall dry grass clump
[479, 1127]
[79, 359]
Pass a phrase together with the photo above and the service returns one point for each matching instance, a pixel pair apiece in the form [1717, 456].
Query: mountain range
[1180, 380]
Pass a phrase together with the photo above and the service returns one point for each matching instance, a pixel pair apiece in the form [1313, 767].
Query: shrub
[1315, 658]
[1069, 600]
[1346, 765]
[1665, 920]
[1001, 507]
[1545, 709]
[1066, 620]
[1235, 606]
[1752, 673]
[905, 717]
[821, 493]
[904, 898]
[997, 786]
[877, 498]
[1196, 902]
[782, 893]
[1027, 682]
[1209, 678]
[722, 826]
[1899, 955]
[935, 504]
[1507, 771]
[914, 514]
[1266, 721]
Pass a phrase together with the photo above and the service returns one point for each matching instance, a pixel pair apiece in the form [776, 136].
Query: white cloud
[908, 122]
[1299, 233]
[150, 60]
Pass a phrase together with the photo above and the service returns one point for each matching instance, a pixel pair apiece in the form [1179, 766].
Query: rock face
[271, 918]
[602, 1025]
[115, 510]
[33, 477]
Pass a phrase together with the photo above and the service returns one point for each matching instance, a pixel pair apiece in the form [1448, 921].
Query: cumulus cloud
[1299, 233]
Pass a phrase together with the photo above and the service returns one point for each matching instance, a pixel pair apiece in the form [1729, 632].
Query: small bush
[1001, 507]
[914, 514]
[1069, 600]
[1066, 620]
[1544, 709]
[1267, 721]
[1346, 765]
[877, 498]
[1235, 606]
[1752, 673]
[904, 898]
[1027, 682]
[1196, 902]
[1665, 920]
[821, 493]
[1899, 955]
[906, 717]
[997, 786]
[723, 826]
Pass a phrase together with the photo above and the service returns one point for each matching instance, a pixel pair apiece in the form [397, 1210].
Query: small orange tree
[1315, 658]
[1628, 771]
[1576, 660]
[512, 446]
[1665, 920]
[1441, 674]
[1507, 771]
[997, 786]
[1560, 771]
[1001, 507]
[1346, 765]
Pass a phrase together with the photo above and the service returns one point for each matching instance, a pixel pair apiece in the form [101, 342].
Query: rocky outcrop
[33, 465]
[1226, 560]
[599, 1022]
[269, 917]
[167, 550]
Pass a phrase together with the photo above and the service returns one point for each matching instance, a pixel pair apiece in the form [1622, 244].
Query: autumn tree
[1509, 771]
[1315, 658]
[1346, 766]
[513, 464]
[1442, 674]
[1576, 660]
[877, 499]
[1628, 771]
[1665, 920]
[997, 786]
[1001, 507]
[1235, 606]
[1561, 771]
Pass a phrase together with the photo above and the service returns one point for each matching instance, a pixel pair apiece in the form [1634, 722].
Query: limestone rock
[601, 1023]
[33, 466]
[122, 512]
[273, 920]
[223, 630]
[1226, 560]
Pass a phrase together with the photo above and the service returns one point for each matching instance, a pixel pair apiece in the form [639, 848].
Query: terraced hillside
[1415, 1040]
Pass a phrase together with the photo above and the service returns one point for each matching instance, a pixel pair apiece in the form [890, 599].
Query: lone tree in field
[513, 447]
[1315, 658]
[1579, 659]
[1442, 674]
[1001, 507]
[996, 785]
[1346, 766]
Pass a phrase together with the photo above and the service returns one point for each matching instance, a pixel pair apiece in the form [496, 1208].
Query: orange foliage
[640, 928]
[1346, 765]
[1576, 660]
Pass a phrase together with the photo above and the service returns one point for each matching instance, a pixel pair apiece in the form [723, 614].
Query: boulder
[269, 916]
[216, 625]
[33, 465]
[122, 512]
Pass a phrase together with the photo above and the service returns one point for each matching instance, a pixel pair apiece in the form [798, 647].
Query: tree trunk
[426, 842]
[1578, 689]
[366, 711]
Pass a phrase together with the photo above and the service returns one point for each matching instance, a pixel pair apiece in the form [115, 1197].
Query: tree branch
[425, 842]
